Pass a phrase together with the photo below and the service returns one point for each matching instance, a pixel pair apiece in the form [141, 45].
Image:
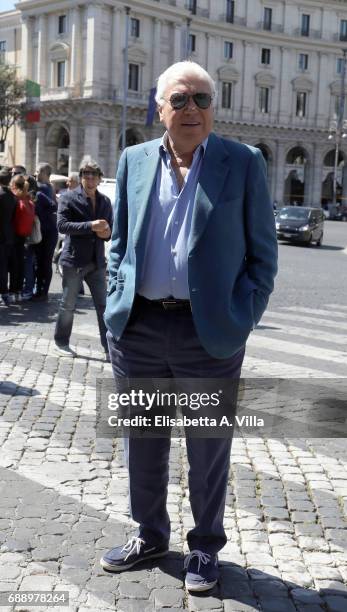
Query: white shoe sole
[114, 568]
[200, 587]
[62, 353]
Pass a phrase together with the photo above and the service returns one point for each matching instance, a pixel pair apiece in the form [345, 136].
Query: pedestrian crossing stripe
[270, 314]
[255, 367]
[338, 306]
[315, 311]
[307, 333]
[294, 348]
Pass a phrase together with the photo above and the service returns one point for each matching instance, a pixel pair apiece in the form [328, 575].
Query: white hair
[181, 69]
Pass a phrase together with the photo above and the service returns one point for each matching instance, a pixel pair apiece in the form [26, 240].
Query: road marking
[307, 333]
[318, 311]
[338, 306]
[264, 368]
[304, 319]
[294, 348]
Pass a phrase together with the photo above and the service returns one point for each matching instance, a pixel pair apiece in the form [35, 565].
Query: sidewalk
[63, 495]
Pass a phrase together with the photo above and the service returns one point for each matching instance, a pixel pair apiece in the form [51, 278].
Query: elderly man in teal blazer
[192, 264]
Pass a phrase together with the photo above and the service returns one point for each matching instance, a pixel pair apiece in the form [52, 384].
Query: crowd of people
[28, 232]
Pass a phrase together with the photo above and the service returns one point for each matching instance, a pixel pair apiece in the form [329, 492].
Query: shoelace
[134, 545]
[203, 558]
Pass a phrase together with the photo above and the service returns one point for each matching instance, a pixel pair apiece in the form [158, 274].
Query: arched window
[59, 54]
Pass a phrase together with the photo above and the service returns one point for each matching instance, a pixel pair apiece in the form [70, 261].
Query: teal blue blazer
[232, 257]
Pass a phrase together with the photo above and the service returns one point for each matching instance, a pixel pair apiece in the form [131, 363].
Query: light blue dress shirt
[165, 264]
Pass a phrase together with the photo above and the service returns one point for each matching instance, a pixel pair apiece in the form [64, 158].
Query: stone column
[210, 53]
[177, 47]
[93, 52]
[315, 187]
[156, 51]
[322, 108]
[40, 143]
[309, 176]
[27, 35]
[279, 171]
[73, 148]
[247, 100]
[284, 112]
[76, 47]
[42, 51]
[91, 140]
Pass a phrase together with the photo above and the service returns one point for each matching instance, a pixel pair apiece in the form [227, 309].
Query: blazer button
[194, 289]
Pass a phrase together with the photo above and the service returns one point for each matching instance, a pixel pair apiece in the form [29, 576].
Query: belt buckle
[169, 304]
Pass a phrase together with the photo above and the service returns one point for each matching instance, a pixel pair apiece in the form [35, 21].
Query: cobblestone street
[64, 493]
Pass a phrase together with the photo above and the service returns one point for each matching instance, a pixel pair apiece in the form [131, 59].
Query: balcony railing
[340, 37]
[275, 27]
[171, 2]
[236, 21]
[310, 34]
[199, 12]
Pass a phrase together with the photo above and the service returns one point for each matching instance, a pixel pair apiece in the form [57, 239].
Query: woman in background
[23, 225]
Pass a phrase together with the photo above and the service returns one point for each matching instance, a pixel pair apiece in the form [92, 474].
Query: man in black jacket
[46, 210]
[85, 217]
[7, 210]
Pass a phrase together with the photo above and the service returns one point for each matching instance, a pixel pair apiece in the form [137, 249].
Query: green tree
[12, 99]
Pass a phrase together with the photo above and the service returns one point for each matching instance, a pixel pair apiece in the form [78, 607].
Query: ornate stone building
[277, 64]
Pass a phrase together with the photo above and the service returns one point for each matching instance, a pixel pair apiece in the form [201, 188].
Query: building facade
[277, 65]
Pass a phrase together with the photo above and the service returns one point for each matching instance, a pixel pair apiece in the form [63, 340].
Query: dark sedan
[300, 224]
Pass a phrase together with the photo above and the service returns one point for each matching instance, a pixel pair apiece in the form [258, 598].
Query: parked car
[300, 224]
[341, 212]
[335, 212]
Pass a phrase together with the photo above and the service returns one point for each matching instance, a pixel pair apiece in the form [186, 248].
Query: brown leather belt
[169, 303]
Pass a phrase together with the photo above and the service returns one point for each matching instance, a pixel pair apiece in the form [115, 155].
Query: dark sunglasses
[180, 100]
[90, 173]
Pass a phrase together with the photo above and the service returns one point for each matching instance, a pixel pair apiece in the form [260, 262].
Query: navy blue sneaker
[202, 571]
[136, 550]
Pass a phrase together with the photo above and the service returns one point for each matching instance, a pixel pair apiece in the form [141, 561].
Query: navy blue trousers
[162, 343]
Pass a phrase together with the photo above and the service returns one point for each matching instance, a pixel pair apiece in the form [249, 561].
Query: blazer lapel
[214, 168]
[145, 175]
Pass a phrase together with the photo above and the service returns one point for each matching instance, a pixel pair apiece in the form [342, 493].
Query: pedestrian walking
[85, 217]
[23, 224]
[7, 235]
[192, 265]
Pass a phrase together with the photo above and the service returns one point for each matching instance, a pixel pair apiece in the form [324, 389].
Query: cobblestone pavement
[63, 494]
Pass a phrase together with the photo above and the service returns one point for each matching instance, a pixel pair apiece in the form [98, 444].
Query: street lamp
[338, 128]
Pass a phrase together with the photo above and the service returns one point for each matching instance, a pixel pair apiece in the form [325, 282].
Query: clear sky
[7, 5]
